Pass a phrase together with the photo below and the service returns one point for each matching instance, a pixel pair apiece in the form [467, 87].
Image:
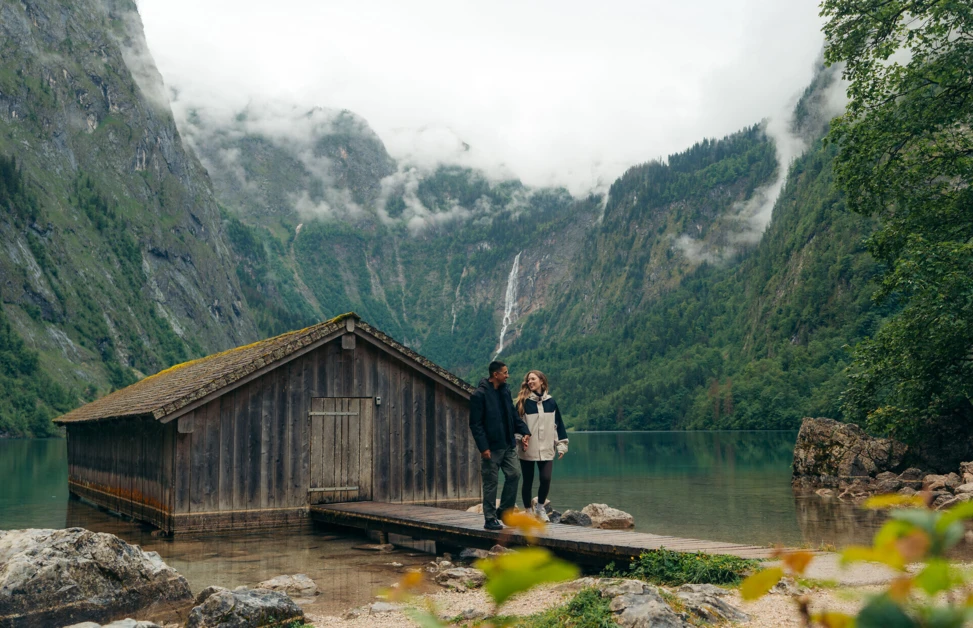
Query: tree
[905, 155]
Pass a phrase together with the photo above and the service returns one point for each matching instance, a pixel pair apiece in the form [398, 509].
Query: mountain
[736, 336]
[112, 253]
[718, 288]
[322, 221]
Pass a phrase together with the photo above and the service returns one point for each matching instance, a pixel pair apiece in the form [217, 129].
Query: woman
[548, 437]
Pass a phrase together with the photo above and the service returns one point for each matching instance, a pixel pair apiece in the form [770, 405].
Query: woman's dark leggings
[527, 473]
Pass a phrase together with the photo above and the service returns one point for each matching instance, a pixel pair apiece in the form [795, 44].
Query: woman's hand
[560, 455]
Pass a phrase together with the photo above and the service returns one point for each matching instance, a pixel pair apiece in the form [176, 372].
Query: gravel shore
[845, 591]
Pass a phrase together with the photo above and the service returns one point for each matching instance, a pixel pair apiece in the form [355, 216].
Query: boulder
[608, 518]
[907, 490]
[934, 482]
[298, 585]
[964, 488]
[707, 604]
[461, 578]
[575, 518]
[375, 608]
[959, 499]
[965, 468]
[242, 608]
[827, 450]
[638, 610]
[912, 474]
[62, 577]
[471, 553]
[953, 480]
[887, 486]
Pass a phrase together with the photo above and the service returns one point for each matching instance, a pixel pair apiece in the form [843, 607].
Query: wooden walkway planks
[453, 527]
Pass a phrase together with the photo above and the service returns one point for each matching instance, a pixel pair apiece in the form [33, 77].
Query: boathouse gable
[254, 436]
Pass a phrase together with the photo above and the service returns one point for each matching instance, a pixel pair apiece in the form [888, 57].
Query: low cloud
[749, 219]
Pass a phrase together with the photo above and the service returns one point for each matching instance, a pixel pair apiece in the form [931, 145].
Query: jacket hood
[543, 397]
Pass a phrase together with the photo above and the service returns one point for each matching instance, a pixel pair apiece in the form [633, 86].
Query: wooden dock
[458, 528]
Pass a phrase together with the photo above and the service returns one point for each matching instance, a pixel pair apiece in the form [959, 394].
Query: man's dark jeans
[500, 460]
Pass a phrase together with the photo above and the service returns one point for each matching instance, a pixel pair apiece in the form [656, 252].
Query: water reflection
[346, 577]
[723, 486]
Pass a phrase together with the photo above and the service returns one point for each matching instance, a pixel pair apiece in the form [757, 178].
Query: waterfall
[510, 301]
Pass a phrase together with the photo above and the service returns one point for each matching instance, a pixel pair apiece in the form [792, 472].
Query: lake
[721, 486]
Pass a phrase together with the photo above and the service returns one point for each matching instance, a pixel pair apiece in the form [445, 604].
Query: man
[494, 421]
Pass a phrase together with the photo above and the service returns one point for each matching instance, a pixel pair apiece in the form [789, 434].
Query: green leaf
[509, 574]
[936, 577]
[425, 619]
[883, 612]
[925, 519]
[892, 530]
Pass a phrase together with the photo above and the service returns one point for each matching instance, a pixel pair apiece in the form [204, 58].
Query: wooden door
[341, 449]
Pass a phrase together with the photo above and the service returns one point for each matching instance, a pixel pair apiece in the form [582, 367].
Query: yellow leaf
[913, 546]
[899, 589]
[527, 524]
[797, 561]
[832, 619]
[887, 555]
[879, 502]
[757, 585]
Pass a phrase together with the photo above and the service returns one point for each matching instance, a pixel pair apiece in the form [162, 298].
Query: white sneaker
[541, 513]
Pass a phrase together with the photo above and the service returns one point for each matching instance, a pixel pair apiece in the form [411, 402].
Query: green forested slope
[755, 343]
[112, 258]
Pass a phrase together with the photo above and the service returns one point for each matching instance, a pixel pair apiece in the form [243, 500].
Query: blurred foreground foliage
[934, 595]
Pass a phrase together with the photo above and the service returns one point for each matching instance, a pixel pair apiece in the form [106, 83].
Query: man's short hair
[495, 366]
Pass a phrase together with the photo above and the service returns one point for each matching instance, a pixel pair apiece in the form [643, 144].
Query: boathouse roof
[167, 392]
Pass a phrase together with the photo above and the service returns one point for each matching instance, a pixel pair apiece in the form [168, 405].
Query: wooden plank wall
[120, 465]
[248, 450]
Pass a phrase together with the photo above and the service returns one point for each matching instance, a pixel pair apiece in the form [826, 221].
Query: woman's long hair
[525, 389]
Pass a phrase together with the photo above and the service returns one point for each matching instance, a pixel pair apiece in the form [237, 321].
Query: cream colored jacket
[547, 434]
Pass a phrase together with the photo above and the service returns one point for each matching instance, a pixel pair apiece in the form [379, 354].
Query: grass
[586, 610]
[670, 568]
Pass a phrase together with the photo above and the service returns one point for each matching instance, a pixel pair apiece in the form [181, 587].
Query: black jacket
[488, 415]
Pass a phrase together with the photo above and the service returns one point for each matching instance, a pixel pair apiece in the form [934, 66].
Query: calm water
[724, 486]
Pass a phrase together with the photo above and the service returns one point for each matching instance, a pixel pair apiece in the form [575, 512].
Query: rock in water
[62, 577]
[604, 516]
[242, 608]
[575, 518]
[298, 585]
[461, 578]
[827, 451]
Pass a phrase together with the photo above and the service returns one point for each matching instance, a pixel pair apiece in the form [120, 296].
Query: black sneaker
[493, 524]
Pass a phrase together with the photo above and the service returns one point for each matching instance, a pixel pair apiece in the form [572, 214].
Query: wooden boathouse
[257, 435]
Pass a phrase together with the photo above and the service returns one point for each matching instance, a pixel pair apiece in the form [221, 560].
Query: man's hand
[525, 441]
[485, 455]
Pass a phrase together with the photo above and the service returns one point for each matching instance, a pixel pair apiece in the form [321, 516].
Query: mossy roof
[175, 388]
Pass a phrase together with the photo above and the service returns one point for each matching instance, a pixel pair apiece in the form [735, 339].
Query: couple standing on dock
[531, 429]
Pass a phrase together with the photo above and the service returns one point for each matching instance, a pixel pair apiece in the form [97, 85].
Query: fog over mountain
[552, 93]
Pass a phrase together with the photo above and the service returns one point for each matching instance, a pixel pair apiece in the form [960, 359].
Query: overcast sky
[556, 92]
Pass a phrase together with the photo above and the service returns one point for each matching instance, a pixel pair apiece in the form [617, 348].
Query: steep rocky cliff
[112, 254]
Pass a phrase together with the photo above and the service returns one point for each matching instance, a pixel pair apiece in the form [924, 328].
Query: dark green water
[721, 486]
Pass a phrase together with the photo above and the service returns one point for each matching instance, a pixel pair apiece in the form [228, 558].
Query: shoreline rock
[64, 577]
